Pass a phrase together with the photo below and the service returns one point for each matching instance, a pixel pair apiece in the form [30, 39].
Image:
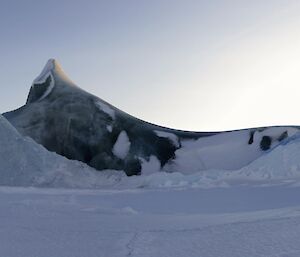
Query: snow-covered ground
[230, 222]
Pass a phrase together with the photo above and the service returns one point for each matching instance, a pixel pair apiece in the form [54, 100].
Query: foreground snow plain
[234, 222]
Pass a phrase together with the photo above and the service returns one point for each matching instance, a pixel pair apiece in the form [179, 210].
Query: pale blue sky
[194, 65]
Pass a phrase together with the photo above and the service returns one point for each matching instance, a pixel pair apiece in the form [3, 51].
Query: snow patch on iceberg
[106, 108]
[109, 128]
[172, 137]
[122, 145]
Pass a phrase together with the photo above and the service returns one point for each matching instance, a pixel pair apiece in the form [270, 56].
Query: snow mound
[278, 166]
[283, 162]
[226, 151]
[25, 163]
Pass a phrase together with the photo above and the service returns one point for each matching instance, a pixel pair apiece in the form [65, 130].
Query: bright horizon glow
[192, 65]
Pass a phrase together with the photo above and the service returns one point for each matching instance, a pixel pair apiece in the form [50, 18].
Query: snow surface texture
[227, 222]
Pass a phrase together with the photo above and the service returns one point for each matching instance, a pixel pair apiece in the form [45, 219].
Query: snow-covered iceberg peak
[54, 68]
[44, 84]
[49, 67]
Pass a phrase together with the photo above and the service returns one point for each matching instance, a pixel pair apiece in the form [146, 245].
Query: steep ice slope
[71, 122]
[25, 163]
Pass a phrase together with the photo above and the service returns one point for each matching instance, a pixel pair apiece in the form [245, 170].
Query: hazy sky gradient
[193, 65]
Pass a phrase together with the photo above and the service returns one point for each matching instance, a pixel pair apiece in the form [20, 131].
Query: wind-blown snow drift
[71, 122]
